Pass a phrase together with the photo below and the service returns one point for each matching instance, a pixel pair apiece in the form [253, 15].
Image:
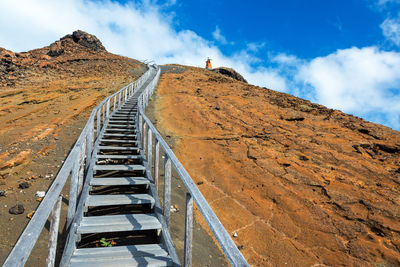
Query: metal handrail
[147, 131]
[76, 165]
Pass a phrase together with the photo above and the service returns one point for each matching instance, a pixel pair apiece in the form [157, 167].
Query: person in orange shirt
[208, 64]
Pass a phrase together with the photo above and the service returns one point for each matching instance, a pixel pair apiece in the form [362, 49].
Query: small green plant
[105, 243]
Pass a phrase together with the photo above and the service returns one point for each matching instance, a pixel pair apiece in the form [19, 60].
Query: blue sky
[306, 28]
[342, 54]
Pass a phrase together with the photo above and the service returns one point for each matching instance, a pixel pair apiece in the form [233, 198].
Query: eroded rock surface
[299, 184]
[229, 73]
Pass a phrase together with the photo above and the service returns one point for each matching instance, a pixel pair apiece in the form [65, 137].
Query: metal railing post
[104, 115]
[156, 163]
[108, 109]
[149, 148]
[98, 123]
[144, 135]
[73, 191]
[188, 231]
[167, 189]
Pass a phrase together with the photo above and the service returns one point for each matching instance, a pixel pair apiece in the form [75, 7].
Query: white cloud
[364, 82]
[384, 2]
[254, 47]
[218, 36]
[139, 30]
[391, 29]
[286, 60]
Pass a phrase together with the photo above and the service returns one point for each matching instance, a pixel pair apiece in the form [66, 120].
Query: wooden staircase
[119, 201]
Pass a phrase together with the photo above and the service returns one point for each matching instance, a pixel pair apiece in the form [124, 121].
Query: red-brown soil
[300, 184]
[46, 96]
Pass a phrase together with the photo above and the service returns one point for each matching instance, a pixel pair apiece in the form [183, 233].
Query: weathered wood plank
[89, 141]
[119, 167]
[53, 234]
[73, 192]
[188, 231]
[121, 199]
[119, 181]
[81, 167]
[118, 223]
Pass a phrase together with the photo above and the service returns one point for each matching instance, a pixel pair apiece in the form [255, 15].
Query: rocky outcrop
[79, 37]
[87, 40]
[230, 73]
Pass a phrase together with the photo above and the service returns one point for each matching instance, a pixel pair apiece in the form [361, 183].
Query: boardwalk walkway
[114, 171]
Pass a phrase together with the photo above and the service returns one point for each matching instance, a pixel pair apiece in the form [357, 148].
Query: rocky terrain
[46, 96]
[295, 183]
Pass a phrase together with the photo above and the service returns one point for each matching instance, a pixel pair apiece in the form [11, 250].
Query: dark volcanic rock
[85, 39]
[17, 209]
[23, 185]
[55, 49]
[230, 73]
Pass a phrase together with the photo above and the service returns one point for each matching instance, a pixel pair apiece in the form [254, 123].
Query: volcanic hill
[295, 183]
[298, 184]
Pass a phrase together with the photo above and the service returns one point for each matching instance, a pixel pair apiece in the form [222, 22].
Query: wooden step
[130, 113]
[118, 141]
[118, 157]
[121, 130]
[119, 167]
[131, 126]
[118, 223]
[114, 117]
[118, 252]
[131, 120]
[119, 181]
[119, 135]
[121, 199]
[151, 261]
[116, 121]
[118, 148]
